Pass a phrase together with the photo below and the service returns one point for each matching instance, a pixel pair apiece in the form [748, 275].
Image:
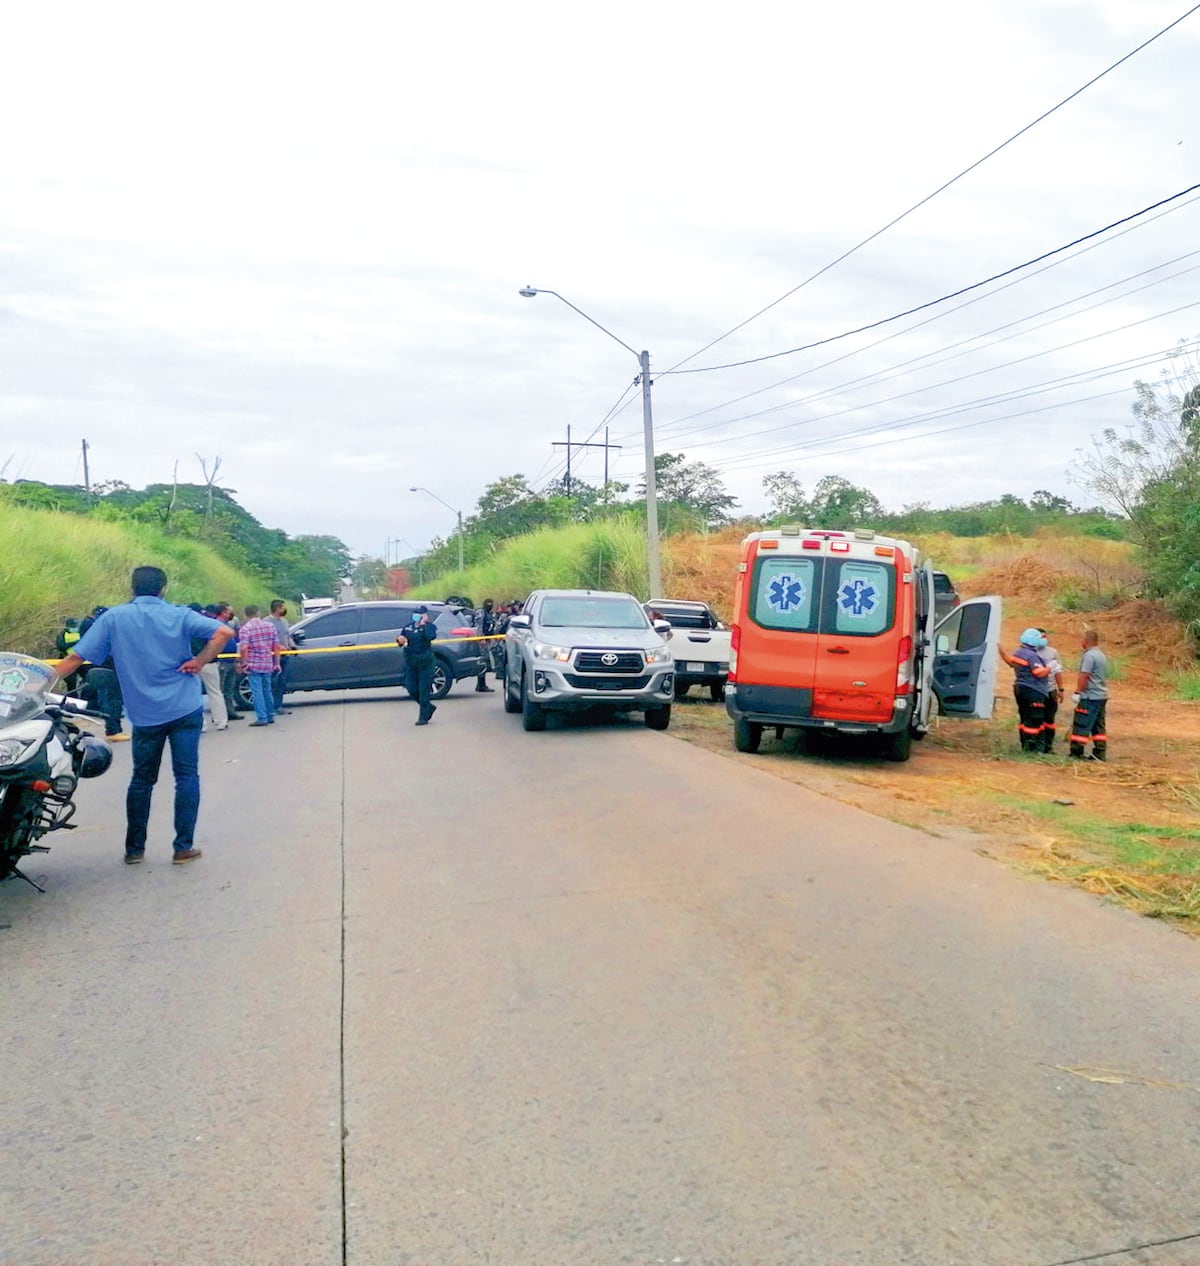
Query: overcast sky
[293, 235]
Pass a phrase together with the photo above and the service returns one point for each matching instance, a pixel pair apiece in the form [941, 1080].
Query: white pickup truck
[699, 642]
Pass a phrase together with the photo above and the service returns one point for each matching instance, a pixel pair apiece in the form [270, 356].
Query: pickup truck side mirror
[299, 636]
[663, 627]
[941, 644]
[518, 622]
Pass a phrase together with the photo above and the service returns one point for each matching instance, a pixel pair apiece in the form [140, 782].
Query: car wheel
[533, 715]
[681, 690]
[658, 718]
[512, 703]
[747, 735]
[898, 746]
[716, 692]
[443, 680]
[244, 693]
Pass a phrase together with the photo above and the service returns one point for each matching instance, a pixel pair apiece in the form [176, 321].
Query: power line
[871, 404]
[941, 189]
[937, 316]
[749, 460]
[557, 467]
[901, 370]
[954, 294]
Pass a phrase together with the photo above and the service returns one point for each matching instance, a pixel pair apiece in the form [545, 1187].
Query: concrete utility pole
[87, 481]
[653, 567]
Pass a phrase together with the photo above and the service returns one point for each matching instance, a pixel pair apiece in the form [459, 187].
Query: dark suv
[362, 637]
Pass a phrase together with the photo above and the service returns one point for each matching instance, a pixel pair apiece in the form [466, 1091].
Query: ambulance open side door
[965, 646]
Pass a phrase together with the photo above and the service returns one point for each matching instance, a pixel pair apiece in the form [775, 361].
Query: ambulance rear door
[964, 662]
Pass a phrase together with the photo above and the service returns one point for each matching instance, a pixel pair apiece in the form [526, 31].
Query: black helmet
[92, 757]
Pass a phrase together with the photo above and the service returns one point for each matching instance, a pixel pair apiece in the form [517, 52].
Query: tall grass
[58, 565]
[610, 554]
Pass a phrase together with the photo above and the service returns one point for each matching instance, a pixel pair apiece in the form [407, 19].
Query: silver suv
[572, 649]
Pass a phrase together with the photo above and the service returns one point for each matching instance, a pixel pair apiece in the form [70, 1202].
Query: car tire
[533, 715]
[716, 693]
[681, 690]
[898, 746]
[747, 735]
[658, 718]
[512, 705]
[244, 694]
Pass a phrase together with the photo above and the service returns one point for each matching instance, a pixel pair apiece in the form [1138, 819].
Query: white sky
[293, 235]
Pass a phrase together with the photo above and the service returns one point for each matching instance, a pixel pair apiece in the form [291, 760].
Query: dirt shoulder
[1128, 830]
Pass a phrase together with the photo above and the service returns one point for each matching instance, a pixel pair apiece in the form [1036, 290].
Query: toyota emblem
[608, 658]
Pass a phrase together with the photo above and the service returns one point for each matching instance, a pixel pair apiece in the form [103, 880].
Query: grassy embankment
[1125, 831]
[57, 565]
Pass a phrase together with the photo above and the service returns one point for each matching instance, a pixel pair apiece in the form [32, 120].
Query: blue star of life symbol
[784, 593]
[859, 598]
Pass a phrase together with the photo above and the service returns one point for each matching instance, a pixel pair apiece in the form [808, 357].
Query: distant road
[348, 594]
[469, 995]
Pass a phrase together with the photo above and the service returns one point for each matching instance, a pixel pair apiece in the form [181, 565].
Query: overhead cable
[954, 294]
[940, 189]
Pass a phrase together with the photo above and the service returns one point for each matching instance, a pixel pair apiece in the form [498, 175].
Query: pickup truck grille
[605, 682]
[623, 662]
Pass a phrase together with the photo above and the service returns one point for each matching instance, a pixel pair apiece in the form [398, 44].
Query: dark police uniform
[419, 665]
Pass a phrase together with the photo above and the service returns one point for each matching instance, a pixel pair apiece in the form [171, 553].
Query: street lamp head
[527, 292]
[414, 490]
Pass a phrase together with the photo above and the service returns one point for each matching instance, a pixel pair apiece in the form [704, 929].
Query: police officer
[417, 641]
[485, 622]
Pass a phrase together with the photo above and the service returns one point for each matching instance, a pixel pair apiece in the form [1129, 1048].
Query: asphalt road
[468, 995]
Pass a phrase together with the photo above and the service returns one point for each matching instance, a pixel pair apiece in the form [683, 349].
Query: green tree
[837, 503]
[785, 498]
[691, 487]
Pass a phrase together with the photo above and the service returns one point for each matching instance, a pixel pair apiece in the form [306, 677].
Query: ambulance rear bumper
[793, 706]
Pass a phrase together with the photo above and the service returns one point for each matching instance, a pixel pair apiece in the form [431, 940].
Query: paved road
[466, 995]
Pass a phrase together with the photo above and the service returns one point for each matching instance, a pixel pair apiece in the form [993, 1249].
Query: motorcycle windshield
[24, 684]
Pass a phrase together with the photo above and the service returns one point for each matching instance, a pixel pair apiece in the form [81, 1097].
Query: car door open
[964, 662]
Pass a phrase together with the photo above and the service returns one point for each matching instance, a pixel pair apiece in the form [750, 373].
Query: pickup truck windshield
[592, 613]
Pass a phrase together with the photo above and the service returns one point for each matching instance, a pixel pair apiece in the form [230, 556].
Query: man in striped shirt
[258, 658]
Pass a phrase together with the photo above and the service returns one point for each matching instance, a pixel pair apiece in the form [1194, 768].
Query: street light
[652, 562]
[451, 508]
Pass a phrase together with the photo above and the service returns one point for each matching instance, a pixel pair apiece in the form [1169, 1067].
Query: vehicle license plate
[693, 667]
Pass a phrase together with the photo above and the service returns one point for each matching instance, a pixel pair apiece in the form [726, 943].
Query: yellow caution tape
[370, 646]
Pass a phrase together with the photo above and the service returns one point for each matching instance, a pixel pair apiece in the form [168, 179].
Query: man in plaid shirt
[258, 658]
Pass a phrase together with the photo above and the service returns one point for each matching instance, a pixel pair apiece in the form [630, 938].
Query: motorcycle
[43, 755]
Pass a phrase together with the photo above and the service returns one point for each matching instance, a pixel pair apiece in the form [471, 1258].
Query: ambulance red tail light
[904, 666]
[735, 640]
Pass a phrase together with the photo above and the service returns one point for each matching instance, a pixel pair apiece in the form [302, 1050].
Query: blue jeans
[183, 734]
[260, 692]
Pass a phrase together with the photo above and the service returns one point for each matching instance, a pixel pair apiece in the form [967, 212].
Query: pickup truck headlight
[543, 650]
[660, 656]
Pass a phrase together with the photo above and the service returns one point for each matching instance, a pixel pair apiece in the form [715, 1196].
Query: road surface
[468, 995]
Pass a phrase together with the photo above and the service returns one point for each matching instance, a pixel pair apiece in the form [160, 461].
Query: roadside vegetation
[57, 565]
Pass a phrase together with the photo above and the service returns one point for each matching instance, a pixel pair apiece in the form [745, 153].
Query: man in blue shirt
[150, 643]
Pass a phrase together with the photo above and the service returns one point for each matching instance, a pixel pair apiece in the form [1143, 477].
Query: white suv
[572, 649]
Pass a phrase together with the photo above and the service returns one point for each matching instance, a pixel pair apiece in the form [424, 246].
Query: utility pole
[568, 445]
[87, 482]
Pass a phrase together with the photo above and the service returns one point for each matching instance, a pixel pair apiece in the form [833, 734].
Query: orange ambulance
[837, 631]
